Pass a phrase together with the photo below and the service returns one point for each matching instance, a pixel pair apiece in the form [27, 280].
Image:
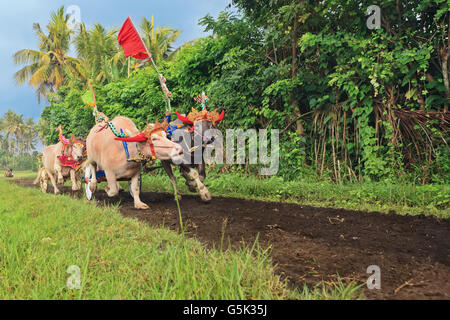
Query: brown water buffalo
[52, 166]
[105, 152]
[194, 136]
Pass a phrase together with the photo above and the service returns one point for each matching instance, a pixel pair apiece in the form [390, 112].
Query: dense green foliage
[352, 104]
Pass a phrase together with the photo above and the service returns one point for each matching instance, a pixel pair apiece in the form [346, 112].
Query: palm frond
[27, 56]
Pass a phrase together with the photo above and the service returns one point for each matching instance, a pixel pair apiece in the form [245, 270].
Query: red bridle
[141, 137]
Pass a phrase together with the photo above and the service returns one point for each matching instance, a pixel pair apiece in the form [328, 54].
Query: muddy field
[313, 244]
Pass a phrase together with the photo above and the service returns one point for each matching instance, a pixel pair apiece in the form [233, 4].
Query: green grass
[404, 199]
[371, 196]
[337, 290]
[25, 174]
[41, 235]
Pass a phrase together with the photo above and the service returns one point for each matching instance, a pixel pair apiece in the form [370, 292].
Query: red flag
[131, 42]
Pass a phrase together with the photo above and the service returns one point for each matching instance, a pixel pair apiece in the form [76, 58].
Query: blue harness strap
[98, 174]
[171, 129]
[125, 146]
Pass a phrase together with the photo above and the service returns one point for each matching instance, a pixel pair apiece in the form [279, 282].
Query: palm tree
[29, 135]
[17, 137]
[49, 67]
[102, 59]
[159, 41]
[3, 142]
[3, 145]
[13, 127]
[42, 128]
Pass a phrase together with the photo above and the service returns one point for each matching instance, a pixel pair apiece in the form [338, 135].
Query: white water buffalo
[106, 152]
[73, 153]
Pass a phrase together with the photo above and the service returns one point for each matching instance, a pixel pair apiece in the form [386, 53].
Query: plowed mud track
[309, 244]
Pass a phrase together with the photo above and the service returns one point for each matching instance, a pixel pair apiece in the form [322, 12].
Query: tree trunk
[444, 55]
[128, 67]
[445, 75]
[294, 73]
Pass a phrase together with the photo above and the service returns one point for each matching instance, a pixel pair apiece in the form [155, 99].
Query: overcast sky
[17, 18]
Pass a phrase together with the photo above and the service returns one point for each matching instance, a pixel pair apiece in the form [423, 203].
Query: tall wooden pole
[128, 67]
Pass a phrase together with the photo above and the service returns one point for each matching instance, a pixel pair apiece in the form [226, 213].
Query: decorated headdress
[204, 114]
[195, 115]
[77, 140]
[69, 142]
[146, 134]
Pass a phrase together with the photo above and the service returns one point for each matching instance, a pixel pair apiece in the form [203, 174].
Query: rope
[115, 131]
[101, 117]
[162, 81]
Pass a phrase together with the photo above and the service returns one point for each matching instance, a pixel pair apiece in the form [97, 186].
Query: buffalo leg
[203, 191]
[111, 189]
[202, 172]
[53, 180]
[93, 179]
[138, 204]
[38, 178]
[184, 170]
[58, 170]
[43, 178]
[73, 178]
